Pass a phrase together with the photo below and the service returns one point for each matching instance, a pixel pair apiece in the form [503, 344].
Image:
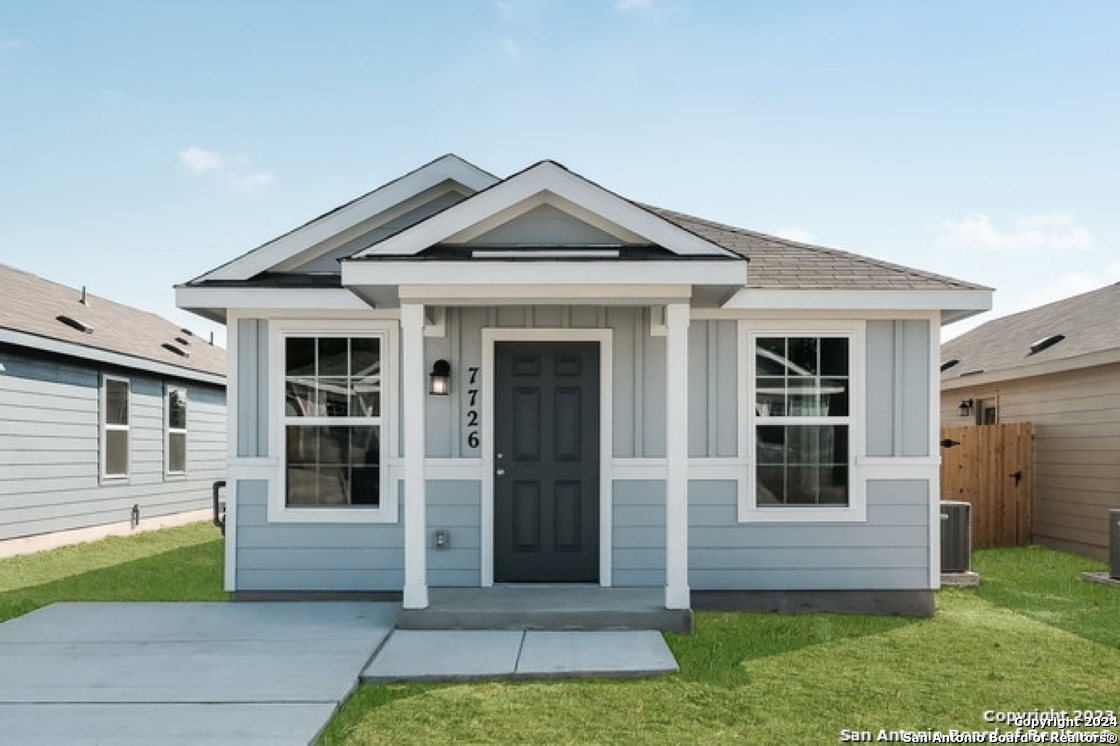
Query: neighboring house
[461, 380]
[111, 419]
[1058, 367]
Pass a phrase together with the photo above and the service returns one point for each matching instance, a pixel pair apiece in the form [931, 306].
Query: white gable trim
[448, 168]
[544, 198]
[561, 188]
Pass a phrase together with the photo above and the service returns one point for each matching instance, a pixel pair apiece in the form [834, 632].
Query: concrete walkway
[254, 673]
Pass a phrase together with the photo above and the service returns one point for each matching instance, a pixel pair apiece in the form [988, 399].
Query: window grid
[802, 403]
[332, 421]
[176, 443]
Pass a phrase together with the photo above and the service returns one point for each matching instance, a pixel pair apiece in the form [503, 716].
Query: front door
[546, 462]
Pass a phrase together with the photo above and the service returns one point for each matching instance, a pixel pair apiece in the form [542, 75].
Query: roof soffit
[545, 183]
[449, 169]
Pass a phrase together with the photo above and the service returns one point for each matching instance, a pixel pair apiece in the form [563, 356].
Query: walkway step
[549, 608]
[472, 655]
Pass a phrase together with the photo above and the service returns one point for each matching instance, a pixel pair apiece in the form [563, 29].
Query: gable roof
[1088, 324]
[448, 169]
[31, 309]
[545, 182]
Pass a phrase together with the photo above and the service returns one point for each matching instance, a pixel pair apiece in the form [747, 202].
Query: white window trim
[279, 330]
[856, 509]
[104, 428]
[168, 431]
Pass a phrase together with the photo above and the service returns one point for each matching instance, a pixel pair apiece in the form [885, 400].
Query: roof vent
[949, 364]
[74, 323]
[177, 350]
[186, 331]
[183, 341]
[1045, 343]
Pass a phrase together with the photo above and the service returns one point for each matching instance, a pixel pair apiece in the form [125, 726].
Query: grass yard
[1033, 636]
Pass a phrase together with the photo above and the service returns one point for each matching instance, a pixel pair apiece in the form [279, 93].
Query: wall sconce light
[439, 380]
[965, 407]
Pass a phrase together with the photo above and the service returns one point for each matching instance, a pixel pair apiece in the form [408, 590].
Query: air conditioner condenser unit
[956, 536]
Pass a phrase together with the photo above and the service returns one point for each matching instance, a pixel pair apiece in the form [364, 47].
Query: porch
[546, 607]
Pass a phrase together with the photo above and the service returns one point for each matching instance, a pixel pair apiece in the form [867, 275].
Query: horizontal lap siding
[50, 443]
[455, 507]
[638, 524]
[312, 556]
[889, 551]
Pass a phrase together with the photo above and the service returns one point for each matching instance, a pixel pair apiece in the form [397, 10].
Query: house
[1056, 366]
[464, 380]
[112, 419]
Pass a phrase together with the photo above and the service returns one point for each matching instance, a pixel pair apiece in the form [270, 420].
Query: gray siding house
[112, 419]
[458, 380]
[1058, 367]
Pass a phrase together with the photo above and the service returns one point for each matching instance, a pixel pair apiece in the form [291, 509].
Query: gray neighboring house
[1056, 366]
[112, 419]
[464, 380]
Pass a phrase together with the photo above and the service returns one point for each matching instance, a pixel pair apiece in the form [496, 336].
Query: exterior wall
[1076, 424]
[50, 477]
[891, 550]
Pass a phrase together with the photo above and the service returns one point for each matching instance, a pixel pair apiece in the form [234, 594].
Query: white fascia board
[543, 295]
[190, 298]
[1050, 367]
[96, 354]
[264, 258]
[553, 179]
[358, 273]
[869, 300]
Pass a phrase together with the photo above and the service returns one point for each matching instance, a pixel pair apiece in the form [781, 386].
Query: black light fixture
[439, 380]
[965, 407]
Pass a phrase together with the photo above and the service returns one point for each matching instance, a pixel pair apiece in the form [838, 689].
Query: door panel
[546, 462]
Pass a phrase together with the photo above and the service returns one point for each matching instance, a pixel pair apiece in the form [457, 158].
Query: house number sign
[472, 407]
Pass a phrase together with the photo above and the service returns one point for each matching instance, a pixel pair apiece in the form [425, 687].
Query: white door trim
[604, 337]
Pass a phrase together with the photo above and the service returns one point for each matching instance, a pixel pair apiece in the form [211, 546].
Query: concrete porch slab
[554, 607]
[601, 654]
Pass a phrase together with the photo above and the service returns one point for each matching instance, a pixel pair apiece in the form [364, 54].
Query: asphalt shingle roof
[1090, 323]
[782, 264]
[32, 305]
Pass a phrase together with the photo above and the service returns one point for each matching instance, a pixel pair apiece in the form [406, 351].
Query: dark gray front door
[546, 462]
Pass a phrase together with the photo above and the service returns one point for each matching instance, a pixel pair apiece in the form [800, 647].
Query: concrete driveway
[183, 673]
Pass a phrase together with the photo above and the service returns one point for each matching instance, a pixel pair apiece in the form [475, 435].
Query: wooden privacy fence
[990, 468]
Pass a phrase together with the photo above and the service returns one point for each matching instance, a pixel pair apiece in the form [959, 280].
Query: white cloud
[235, 171]
[793, 233]
[1050, 230]
[1073, 283]
[199, 161]
[625, 5]
[247, 182]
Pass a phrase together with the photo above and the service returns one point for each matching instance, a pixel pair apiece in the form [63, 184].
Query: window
[332, 421]
[115, 394]
[801, 389]
[176, 419]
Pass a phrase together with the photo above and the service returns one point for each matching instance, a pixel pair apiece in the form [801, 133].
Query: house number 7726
[472, 407]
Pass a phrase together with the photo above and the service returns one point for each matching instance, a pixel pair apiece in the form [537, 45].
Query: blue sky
[144, 143]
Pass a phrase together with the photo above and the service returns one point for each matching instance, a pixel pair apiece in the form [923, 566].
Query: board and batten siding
[889, 551]
[1075, 418]
[50, 477]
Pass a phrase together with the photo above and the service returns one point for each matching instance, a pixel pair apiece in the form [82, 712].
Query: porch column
[412, 429]
[676, 457]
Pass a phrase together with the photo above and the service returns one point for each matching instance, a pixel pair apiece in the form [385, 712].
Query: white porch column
[413, 377]
[676, 453]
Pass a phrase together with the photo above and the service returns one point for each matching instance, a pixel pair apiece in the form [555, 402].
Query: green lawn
[1033, 636]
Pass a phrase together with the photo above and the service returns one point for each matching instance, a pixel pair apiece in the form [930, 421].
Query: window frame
[387, 332]
[105, 427]
[168, 431]
[855, 332]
